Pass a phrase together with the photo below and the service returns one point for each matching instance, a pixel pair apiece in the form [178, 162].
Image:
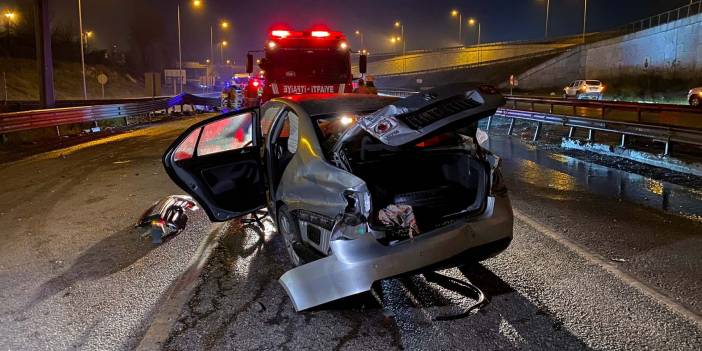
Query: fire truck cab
[314, 61]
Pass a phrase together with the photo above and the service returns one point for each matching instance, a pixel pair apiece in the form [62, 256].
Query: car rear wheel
[695, 101]
[290, 231]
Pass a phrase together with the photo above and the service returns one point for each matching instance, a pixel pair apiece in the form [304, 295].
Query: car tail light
[319, 33]
[272, 44]
[280, 33]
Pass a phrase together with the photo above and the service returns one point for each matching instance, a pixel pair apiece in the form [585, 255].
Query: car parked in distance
[694, 97]
[360, 187]
[584, 89]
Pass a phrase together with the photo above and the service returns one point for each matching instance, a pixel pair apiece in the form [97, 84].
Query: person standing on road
[361, 84]
[369, 88]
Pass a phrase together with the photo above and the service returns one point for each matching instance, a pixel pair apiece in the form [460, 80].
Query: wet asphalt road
[74, 273]
[590, 267]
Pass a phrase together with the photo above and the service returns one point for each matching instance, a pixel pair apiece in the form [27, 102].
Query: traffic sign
[102, 79]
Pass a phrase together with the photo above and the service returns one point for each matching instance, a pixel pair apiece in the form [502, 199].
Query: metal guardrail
[660, 122]
[662, 18]
[663, 115]
[26, 120]
[663, 134]
[24, 105]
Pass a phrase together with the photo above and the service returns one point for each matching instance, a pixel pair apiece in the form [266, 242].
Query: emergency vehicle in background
[315, 61]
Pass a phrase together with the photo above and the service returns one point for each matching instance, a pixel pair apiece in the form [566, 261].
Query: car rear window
[593, 82]
[331, 127]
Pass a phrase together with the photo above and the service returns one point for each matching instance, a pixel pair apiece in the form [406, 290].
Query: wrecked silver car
[361, 187]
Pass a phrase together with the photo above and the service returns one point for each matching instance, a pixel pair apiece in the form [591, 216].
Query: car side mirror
[249, 63]
[363, 63]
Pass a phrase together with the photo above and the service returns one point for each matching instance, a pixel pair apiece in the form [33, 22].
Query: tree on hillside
[151, 48]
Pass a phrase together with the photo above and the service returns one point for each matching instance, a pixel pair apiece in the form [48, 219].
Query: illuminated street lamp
[87, 35]
[224, 25]
[456, 13]
[10, 17]
[400, 25]
[360, 34]
[221, 46]
[196, 4]
[472, 22]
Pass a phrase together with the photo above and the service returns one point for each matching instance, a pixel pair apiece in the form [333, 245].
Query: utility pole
[82, 51]
[548, 10]
[180, 54]
[45, 65]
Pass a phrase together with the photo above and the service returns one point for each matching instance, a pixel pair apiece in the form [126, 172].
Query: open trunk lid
[423, 115]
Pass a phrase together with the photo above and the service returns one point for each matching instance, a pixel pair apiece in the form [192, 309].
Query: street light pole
[82, 52]
[360, 34]
[548, 10]
[455, 13]
[180, 54]
[401, 25]
[584, 21]
[474, 22]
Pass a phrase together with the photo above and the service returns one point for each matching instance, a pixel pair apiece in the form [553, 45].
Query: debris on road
[400, 217]
[167, 216]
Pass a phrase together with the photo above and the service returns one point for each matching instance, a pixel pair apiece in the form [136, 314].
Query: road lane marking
[611, 268]
[169, 308]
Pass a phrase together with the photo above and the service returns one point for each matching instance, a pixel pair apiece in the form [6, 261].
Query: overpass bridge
[655, 53]
[392, 69]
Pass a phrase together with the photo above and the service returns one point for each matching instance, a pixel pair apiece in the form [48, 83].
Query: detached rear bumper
[356, 264]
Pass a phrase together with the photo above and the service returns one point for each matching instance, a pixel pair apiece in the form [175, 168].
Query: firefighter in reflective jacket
[251, 93]
[369, 87]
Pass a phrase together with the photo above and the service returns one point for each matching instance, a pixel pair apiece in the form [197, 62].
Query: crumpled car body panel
[356, 264]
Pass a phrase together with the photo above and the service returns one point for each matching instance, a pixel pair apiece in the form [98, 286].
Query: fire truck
[314, 61]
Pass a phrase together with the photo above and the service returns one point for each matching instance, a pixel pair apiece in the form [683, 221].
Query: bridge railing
[665, 123]
[688, 10]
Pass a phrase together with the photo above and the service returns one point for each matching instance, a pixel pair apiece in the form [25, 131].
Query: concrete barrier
[670, 54]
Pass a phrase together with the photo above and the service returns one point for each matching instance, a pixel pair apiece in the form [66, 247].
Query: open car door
[218, 162]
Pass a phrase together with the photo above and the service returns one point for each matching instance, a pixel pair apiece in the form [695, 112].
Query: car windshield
[593, 82]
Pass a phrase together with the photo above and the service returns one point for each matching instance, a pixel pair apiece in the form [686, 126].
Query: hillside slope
[23, 81]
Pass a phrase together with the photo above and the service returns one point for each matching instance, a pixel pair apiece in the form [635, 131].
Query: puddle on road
[540, 167]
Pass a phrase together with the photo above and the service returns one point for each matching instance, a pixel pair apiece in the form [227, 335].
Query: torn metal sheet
[167, 216]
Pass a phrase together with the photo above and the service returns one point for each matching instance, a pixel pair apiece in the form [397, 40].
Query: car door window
[283, 145]
[226, 135]
[293, 132]
[267, 119]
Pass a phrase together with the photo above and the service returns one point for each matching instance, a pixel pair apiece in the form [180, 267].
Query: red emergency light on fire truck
[314, 61]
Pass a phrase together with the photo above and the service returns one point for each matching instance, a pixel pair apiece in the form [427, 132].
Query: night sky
[428, 24]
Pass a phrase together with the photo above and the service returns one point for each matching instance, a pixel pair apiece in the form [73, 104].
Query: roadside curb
[168, 309]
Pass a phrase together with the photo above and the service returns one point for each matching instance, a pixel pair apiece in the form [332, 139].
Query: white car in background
[694, 97]
[584, 89]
